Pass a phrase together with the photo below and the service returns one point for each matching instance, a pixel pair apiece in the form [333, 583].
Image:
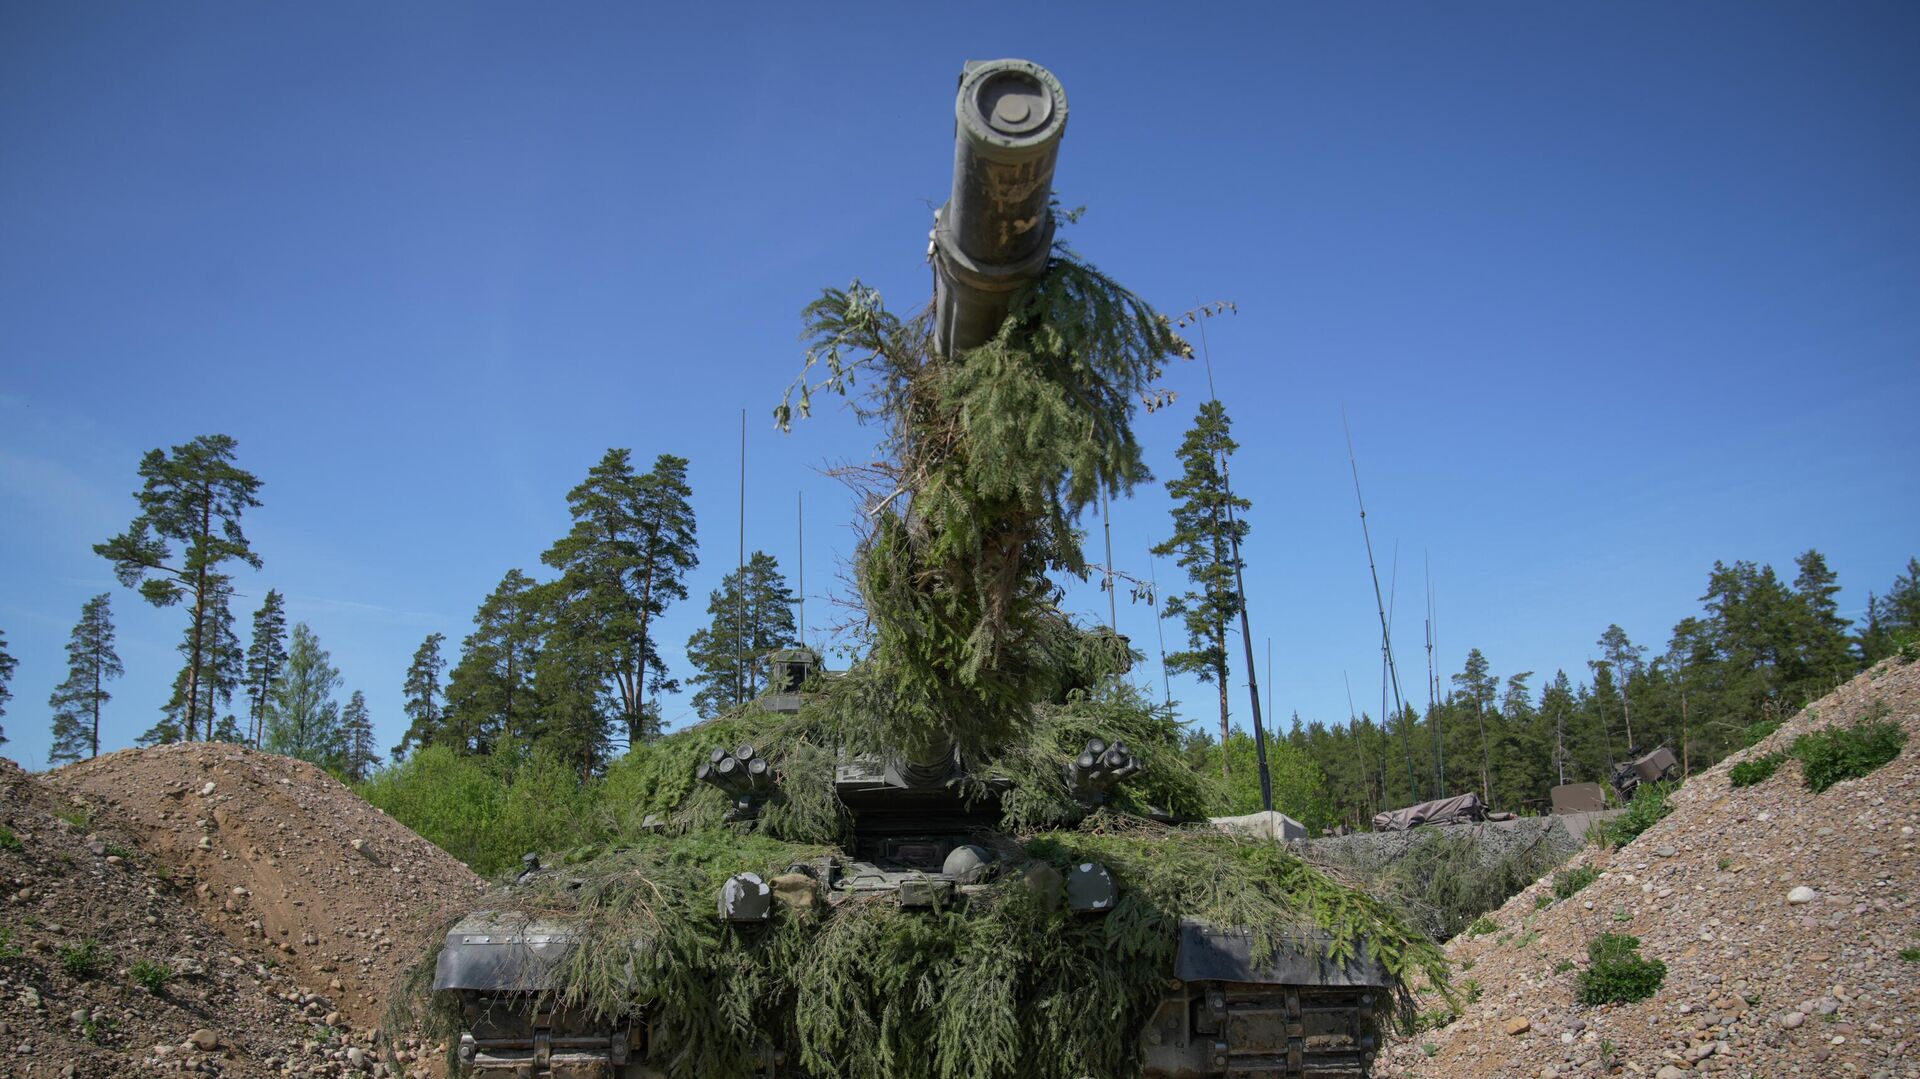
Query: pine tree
[76, 703]
[422, 697]
[489, 692]
[356, 728]
[1203, 540]
[1476, 680]
[752, 616]
[266, 656]
[1624, 660]
[193, 497]
[221, 671]
[305, 719]
[1557, 709]
[1893, 618]
[7, 664]
[1825, 653]
[624, 561]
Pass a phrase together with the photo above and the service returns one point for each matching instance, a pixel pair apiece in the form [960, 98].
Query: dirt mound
[1756, 984]
[277, 854]
[105, 970]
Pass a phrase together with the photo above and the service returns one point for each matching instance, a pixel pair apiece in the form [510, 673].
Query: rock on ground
[1757, 984]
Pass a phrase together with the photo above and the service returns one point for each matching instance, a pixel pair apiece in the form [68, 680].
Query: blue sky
[1606, 291]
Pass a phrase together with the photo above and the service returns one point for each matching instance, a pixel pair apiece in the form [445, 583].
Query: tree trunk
[94, 746]
[1220, 676]
[1486, 757]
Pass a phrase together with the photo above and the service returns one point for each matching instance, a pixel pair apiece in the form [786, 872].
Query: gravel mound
[84, 916]
[1763, 978]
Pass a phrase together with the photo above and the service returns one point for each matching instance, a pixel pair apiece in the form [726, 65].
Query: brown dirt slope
[1756, 985]
[278, 855]
[81, 909]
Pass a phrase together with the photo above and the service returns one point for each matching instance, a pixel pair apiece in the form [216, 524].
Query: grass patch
[1755, 770]
[85, 959]
[8, 949]
[77, 817]
[1839, 753]
[117, 851]
[1911, 955]
[1617, 973]
[1563, 966]
[1482, 926]
[1542, 901]
[151, 976]
[1569, 881]
[9, 841]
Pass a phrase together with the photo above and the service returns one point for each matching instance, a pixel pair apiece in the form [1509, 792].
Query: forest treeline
[565, 670]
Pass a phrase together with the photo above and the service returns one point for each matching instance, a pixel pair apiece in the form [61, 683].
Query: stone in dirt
[1518, 1026]
[1802, 894]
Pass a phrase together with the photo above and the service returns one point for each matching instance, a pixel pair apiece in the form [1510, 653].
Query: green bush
[1617, 973]
[488, 812]
[151, 976]
[9, 841]
[1651, 803]
[1568, 881]
[1482, 926]
[1838, 753]
[1757, 770]
[1755, 733]
[85, 959]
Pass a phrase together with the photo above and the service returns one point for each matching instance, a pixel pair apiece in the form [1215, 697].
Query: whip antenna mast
[1386, 635]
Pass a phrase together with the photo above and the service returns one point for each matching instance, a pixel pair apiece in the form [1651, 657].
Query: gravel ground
[276, 863]
[1758, 984]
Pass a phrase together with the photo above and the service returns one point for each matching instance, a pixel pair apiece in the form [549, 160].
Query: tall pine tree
[624, 561]
[358, 758]
[220, 673]
[1202, 543]
[266, 657]
[76, 703]
[489, 692]
[193, 497]
[752, 616]
[421, 697]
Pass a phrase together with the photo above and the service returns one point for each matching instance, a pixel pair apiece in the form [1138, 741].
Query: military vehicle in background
[922, 823]
[1658, 766]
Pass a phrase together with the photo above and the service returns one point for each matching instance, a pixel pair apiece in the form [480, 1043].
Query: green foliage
[1481, 926]
[1564, 966]
[76, 816]
[1569, 881]
[421, 692]
[9, 841]
[1910, 955]
[1755, 769]
[1651, 804]
[1837, 753]
[1542, 902]
[1300, 787]
[999, 451]
[1616, 972]
[151, 976]
[485, 811]
[1755, 733]
[85, 959]
[304, 721]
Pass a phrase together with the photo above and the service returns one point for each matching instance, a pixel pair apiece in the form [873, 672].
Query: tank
[926, 830]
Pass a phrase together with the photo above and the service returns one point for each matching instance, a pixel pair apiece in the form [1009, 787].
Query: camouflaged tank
[922, 825]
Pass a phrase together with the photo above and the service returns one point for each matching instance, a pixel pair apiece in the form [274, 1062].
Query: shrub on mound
[1838, 753]
[1758, 770]
[1617, 973]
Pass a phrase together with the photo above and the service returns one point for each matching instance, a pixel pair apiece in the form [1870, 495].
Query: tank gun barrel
[996, 230]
